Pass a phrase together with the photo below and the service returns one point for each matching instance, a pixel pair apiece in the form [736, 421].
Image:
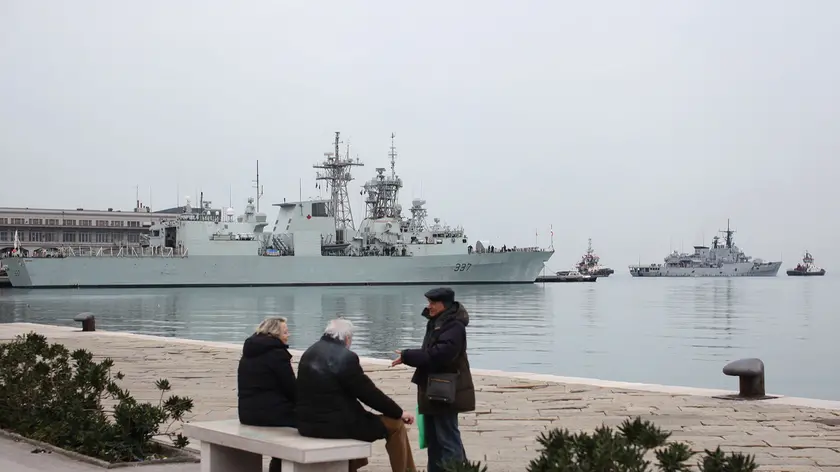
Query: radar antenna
[337, 174]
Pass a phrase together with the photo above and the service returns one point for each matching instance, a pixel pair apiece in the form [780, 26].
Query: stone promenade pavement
[511, 412]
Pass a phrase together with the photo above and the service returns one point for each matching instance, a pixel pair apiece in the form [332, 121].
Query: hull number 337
[459, 267]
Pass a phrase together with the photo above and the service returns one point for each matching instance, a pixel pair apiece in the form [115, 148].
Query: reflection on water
[387, 318]
[671, 331]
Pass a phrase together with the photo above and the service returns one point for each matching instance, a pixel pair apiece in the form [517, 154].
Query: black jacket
[444, 350]
[331, 383]
[266, 383]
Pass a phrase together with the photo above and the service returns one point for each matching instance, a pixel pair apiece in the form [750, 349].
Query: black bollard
[750, 373]
[88, 321]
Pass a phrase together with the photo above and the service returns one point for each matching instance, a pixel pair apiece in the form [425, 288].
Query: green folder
[421, 429]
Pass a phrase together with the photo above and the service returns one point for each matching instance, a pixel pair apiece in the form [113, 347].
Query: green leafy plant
[465, 467]
[606, 450]
[59, 397]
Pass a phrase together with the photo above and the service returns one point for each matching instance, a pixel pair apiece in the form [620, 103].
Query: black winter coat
[444, 350]
[266, 383]
[331, 383]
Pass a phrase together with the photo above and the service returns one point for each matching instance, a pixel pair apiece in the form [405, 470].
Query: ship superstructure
[723, 259]
[311, 242]
[590, 264]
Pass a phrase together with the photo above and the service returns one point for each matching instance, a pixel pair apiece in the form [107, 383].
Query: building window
[133, 224]
[84, 223]
[103, 237]
[68, 237]
[49, 237]
[4, 221]
[116, 223]
[17, 221]
[101, 223]
[84, 237]
[36, 221]
[133, 238]
[35, 236]
[4, 236]
[52, 221]
[69, 222]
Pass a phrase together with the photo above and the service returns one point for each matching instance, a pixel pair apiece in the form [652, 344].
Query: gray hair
[340, 329]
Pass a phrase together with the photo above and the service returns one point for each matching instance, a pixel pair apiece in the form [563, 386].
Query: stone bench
[229, 446]
[750, 373]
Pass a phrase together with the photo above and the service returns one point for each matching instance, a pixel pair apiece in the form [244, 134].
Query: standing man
[442, 359]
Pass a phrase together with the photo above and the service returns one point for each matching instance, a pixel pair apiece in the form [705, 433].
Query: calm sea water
[678, 331]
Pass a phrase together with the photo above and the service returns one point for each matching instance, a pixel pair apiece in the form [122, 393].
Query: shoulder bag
[442, 387]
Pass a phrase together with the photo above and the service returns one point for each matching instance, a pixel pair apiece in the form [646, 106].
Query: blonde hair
[271, 326]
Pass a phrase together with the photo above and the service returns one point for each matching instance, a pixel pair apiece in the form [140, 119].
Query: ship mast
[257, 186]
[728, 232]
[393, 155]
[337, 174]
[383, 190]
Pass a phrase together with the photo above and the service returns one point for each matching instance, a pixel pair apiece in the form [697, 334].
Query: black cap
[442, 294]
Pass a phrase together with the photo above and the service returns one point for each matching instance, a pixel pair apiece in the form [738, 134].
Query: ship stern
[651, 270]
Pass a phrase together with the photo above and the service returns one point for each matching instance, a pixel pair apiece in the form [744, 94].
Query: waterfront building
[45, 228]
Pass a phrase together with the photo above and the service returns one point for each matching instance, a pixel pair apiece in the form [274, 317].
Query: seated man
[331, 383]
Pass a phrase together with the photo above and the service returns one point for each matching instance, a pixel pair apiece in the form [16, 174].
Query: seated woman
[266, 381]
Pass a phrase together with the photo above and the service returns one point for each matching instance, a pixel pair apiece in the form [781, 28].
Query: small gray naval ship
[312, 242]
[723, 259]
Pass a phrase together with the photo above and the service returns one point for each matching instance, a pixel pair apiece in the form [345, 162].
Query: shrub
[50, 394]
[606, 450]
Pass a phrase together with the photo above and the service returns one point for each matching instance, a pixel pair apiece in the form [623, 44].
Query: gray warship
[311, 242]
[723, 259]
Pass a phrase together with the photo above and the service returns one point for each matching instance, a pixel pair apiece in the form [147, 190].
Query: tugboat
[806, 268]
[588, 264]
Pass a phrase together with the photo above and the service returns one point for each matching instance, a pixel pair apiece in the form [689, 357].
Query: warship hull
[230, 271]
[741, 269]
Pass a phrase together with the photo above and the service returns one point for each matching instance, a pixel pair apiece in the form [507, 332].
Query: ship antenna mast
[257, 186]
[337, 174]
[728, 232]
[393, 155]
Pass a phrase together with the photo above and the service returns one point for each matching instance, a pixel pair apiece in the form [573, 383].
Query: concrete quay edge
[645, 387]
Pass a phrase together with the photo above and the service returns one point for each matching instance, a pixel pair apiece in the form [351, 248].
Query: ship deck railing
[122, 251]
[498, 249]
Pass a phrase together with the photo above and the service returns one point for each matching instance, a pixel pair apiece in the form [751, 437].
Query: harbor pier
[785, 434]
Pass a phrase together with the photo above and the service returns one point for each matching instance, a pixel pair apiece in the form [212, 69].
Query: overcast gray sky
[644, 125]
